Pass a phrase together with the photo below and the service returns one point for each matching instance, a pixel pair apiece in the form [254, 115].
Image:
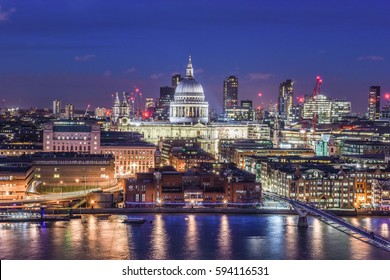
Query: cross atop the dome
[190, 70]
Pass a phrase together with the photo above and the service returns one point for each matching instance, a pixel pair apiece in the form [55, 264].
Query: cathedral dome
[189, 105]
[189, 89]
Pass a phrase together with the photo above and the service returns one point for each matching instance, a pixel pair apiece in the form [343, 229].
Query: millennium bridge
[304, 209]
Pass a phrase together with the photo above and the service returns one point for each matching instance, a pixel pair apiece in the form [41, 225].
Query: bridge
[304, 209]
[63, 196]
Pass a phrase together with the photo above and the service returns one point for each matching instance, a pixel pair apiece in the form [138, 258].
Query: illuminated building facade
[285, 100]
[239, 113]
[327, 110]
[65, 172]
[18, 149]
[323, 185]
[71, 136]
[57, 107]
[374, 103]
[321, 106]
[189, 104]
[340, 109]
[230, 92]
[149, 102]
[161, 111]
[54, 173]
[170, 187]
[15, 176]
[130, 157]
[69, 111]
[101, 113]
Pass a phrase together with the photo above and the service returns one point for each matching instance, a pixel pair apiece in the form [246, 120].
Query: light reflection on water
[159, 240]
[224, 239]
[188, 236]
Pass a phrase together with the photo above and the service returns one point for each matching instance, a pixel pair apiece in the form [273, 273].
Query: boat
[134, 221]
[75, 217]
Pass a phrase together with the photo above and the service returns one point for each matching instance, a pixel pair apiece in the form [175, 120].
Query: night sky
[83, 51]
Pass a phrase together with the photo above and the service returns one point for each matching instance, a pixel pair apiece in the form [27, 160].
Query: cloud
[157, 76]
[107, 73]
[371, 58]
[87, 57]
[199, 71]
[131, 70]
[259, 76]
[4, 15]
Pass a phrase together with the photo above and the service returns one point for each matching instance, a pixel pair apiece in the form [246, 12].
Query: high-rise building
[374, 103]
[149, 102]
[162, 108]
[230, 92]
[340, 108]
[176, 79]
[246, 103]
[69, 111]
[150, 108]
[295, 114]
[100, 112]
[326, 109]
[57, 107]
[285, 100]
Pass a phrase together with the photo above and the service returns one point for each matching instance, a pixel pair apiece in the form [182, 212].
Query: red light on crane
[260, 94]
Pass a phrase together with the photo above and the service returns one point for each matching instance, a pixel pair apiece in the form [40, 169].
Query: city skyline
[82, 53]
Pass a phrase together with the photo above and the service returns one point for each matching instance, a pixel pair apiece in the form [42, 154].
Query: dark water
[188, 236]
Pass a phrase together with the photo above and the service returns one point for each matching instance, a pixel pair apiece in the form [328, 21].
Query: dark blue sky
[83, 51]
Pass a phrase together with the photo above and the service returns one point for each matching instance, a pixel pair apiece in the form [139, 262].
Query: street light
[62, 189]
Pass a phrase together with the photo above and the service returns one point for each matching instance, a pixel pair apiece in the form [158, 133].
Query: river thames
[189, 236]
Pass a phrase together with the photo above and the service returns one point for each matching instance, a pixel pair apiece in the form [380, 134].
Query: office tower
[100, 112]
[176, 79]
[230, 92]
[69, 111]
[57, 107]
[285, 100]
[374, 103]
[162, 108]
[149, 102]
[246, 103]
[327, 110]
[340, 109]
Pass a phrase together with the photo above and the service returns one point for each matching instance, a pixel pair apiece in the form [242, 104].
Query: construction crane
[136, 102]
[86, 111]
[316, 92]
